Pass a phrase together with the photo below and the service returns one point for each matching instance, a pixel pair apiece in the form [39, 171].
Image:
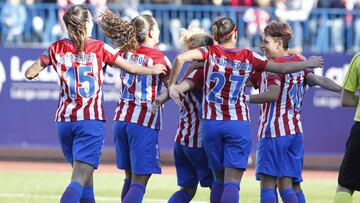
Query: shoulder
[61, 46]
[356, 59]
[94, 41]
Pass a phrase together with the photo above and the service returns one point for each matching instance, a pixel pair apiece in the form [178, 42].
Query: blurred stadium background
[330, 28]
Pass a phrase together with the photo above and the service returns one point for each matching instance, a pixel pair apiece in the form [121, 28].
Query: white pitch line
[99, 198]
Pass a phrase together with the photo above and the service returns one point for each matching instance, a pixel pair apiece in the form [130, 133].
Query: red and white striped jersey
[189, 129]
[225, 73]
[81, 78]
[282, 117]
[139, 92]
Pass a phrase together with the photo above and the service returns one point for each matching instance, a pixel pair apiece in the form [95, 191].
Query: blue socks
[288, 196]
[216, 192]
[301, 197]
[135, 193]
[231, 193]
[181, 196]
[268, 195]
[72, 193]
[88, 195]
[125, 188]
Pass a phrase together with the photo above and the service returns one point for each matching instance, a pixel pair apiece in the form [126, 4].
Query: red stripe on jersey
[62, 115]
[225, 95]
[151, 120]
[205, 92]
[130, 110]
[189, 122]
[86, 110]
[288, 108]
[142, 113]
[278, 109]
[197, 122]
[265, 122]
[180, 134]
[153, 88]
[120, 106]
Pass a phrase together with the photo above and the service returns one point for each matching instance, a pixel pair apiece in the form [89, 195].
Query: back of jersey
[81, 78]
[225, 73]
[138, 92]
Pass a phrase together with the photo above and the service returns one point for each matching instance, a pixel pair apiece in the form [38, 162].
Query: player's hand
[155, 106]
[176, 95]
[316, 61]
[159, 69]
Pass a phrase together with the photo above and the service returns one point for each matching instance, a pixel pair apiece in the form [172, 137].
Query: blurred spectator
[355, 5]
[233, 2]
[13, 17]
[294, 12]
[198, 2]
[336, 24]
[34, 25]
[241, 2]
[128, 8]
[256, 19]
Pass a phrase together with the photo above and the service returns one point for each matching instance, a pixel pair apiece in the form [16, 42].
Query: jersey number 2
[219, 79]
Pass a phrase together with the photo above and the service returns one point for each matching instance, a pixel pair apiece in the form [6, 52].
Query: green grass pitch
[19, 186]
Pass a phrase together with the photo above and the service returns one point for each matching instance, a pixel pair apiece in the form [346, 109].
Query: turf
[44, 186]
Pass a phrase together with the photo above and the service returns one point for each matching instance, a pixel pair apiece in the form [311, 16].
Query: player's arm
[182, 87]
[323, 82]
[351, 84]
[349, 99]
[178, 63]
[271, 95]
[137, 69]
[34, 70]
[291, 67]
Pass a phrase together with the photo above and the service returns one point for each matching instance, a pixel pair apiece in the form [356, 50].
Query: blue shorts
[136, 148]
[280, 157]
[226, 143]
[191, 166]
[82, 140]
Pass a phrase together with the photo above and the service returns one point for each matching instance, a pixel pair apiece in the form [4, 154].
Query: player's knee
[190, 190]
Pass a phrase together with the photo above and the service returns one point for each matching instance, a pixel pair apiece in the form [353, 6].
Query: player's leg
[127, 183]
[87, 144]
[200, 163]
[349, 177]
[81, 173]
[237, 147]
[144, 159]
[213, 146]
[122, 151]
[343, 195]
[232, 179]
[287, 192]
[268, 189]
[74, 190]
[186, 176]
[299, 192]
[88, 192]
[291, 148]
[266, 170]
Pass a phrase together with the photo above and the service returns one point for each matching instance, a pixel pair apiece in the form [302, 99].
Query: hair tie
[230, 33]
